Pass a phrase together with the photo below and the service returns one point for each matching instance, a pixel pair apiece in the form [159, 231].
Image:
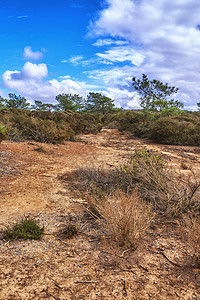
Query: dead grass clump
[190, 229]
[127, 217]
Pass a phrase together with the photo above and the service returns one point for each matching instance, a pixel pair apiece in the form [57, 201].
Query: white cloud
[167, 35]
[29, 71]
[76, 60]
[124, 98]
[80, 61]
[122, 54]
[119, 85]
[64, 61]
[65, 77]
[108, 42]
[30, 55]
[34, 71]
[30, 82]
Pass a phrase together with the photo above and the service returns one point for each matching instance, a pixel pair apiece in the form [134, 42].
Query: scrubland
[119, 215]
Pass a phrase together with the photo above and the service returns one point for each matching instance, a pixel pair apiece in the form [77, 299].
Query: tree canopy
[96, 102]
[15, 101]
[69, 101]
[154, 94]
[40, 106]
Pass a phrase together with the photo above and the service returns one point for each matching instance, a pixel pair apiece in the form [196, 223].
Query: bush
[46, 126]
[124, 215]
[3, 132]
[45, 131]
[85, 123]
[170, 126]
[176, 131]
[25, 229]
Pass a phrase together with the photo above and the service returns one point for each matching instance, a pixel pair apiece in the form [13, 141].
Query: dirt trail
[84, 267]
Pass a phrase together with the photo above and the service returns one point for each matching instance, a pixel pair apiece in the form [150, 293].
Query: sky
[52, 47]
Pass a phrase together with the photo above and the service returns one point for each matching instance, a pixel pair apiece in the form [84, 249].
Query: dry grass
[170, 192]
[190, 229]
[183, 195]
[127, 217]
[158, 183]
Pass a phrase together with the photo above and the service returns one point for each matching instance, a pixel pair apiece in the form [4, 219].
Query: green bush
[85, 123]
[25, 229]
[46, 126]
[23, 127]
[176, 131]
[170, 126]
[137, 123]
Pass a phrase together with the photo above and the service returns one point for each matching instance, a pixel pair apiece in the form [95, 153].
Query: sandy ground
[86, 266]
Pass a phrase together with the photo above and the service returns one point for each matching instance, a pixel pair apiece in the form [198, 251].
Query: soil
[88, 266]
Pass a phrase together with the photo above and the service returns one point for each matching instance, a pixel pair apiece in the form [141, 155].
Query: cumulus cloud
[29, 71]
[31, 55]
[34, 71]
[30, 82]
[166, 34]
[119, 85]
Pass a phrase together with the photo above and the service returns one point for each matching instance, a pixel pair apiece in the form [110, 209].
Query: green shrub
[176, 131]
[137, 123]
[25, 229]
[45, 131]
[46, 126]
[85, 123]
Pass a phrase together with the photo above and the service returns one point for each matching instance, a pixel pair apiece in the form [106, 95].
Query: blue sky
[50, 47]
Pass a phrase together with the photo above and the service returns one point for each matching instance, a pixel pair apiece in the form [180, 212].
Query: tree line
[95, 102]
[154, 96]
